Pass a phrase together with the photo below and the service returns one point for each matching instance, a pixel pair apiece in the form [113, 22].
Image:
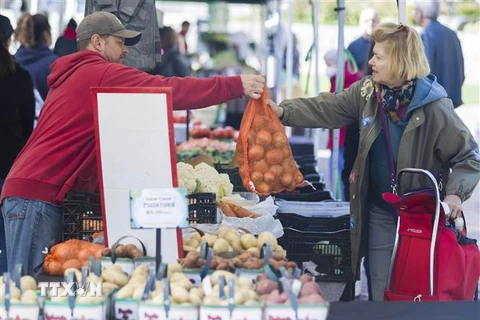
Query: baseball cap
[6, 28]
[106, 23]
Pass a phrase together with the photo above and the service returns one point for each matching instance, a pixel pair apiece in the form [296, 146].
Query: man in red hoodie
[60, 154]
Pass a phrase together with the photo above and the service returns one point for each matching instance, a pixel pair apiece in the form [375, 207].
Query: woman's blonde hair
[404, 48]
[30, 29]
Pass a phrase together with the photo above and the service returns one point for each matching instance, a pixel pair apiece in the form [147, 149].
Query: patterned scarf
[395, 101]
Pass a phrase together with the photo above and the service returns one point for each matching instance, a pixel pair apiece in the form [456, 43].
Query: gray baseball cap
[106, 23]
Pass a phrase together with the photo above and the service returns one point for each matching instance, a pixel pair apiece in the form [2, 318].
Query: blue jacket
[426, 90]
[36, 61]
[444, 53]
[359, 50]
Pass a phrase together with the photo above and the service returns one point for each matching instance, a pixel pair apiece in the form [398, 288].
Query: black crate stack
[82, 216]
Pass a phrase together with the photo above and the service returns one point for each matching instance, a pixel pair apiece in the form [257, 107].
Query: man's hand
[253, 85]
[275, 108]
[455, 204]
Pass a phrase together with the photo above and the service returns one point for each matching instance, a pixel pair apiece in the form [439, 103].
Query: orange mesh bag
[264, 156]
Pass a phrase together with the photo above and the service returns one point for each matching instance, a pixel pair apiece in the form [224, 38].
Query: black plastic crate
[82, 215]
[314, 224]
[234, 177]
[331, 252]
[202, 208]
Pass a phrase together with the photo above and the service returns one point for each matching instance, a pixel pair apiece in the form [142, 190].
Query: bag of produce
[263, 153]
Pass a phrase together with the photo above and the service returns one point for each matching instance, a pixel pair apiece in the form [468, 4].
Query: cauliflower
[225, 187]
[186, 176]
[207, 176]
[211, 181]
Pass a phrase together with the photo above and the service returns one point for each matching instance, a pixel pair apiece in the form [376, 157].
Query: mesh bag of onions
[263, 153]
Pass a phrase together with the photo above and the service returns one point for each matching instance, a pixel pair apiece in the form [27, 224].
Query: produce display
[263, 153]
[70, 254]
[27, 292]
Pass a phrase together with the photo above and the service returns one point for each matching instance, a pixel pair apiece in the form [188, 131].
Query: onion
[274, 156]
[276, 169]
[287, 179]
[255, 153]
[256, 177]
[263, 188]
[260, 166]
[279, 139]
[264, 138]
[269, 177]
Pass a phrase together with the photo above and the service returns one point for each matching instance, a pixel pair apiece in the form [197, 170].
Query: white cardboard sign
[135, 150]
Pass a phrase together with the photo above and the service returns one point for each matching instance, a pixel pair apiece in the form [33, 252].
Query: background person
[443, 49]
[173, 63]
[34, 55]
[67, 43]
[16, 115]
[60, 155]
[360, 47]
[425, 133]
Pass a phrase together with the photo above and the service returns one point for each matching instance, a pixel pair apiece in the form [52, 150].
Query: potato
[157, 293]
[29, 296]
[141, 270]
[178, 277]
[125, 292]
[198, 292]
[196, 236]
[209, 239]
[138, 293]
[231, 235]
[248, 241]
[93, 278]
[28, 283]
[107, 288]
[267, 237]
[245, 283]
[266, 286]
[106, 252]
[179, 294]
[193, 243]
[222, 231]
[115, 268]
[235, 244]
[310, 288]
[120, 251]
[120, 279]
[194, 297]
[221, 245]
[174, 267]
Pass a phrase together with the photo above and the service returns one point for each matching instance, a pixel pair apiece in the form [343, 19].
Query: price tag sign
[158, 208]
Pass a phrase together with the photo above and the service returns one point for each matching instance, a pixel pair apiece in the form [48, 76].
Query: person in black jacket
[17, 111]
[67, 43]
[173, 64]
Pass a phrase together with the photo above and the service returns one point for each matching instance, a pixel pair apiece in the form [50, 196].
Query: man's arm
[187, 93]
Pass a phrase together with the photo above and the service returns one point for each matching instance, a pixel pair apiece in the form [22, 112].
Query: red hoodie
[349, 79]
[60, 154]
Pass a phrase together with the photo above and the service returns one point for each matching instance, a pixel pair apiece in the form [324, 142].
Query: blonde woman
[425, 132]
[34, 55]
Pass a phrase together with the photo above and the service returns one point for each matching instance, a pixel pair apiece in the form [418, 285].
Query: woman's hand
[275, 108]
[455, 204]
